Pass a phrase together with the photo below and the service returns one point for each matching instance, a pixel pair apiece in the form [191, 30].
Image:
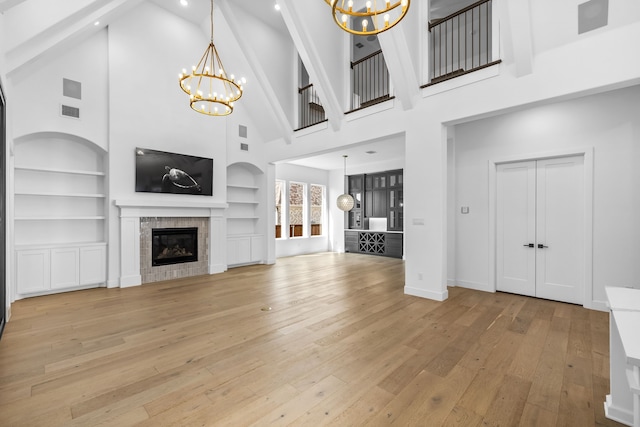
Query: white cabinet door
[238, 250]
[64, 268]
[33, 270]
[256, 248]
[93, 265]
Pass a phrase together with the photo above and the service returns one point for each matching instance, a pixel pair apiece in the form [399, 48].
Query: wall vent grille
[244, 147]
[69, 111]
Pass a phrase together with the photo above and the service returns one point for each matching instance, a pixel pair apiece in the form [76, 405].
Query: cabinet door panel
[33, 271]
[65, 268]
[93, 262]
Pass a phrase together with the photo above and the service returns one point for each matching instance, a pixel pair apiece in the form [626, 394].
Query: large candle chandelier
[368, 18]
[210, 90]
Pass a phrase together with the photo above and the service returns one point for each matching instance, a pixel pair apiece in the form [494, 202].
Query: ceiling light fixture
[276, 6]
[185, 3]
[366, 18]
[345, 201]
[210, 91]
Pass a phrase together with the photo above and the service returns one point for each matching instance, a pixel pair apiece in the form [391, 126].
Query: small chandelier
[345, 201]
[367, 19]
[210, 91]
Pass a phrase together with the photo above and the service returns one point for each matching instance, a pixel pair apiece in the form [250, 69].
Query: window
[296, 209]
[279, 196]
[317, 208]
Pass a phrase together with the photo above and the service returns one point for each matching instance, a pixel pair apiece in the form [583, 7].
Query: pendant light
[345, 201]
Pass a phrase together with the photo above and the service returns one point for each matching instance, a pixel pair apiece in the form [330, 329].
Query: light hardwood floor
[342, 345]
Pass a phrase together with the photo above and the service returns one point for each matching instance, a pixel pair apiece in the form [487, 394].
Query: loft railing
[310, 110]
[461, 42]
[369, 81]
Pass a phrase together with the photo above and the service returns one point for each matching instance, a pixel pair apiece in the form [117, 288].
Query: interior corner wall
[608, 124]
[273, 50]
[148, 109]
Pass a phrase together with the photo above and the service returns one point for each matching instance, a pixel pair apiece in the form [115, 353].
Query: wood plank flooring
[340, 345]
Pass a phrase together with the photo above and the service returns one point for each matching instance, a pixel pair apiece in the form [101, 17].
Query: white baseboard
[475, 286]
[217, 268]
[130, 281]
[616, 413]
[452, 283]
[598, 305]
[423, 293]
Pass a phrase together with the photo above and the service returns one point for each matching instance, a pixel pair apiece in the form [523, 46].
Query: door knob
[530, 245]
[541, 246]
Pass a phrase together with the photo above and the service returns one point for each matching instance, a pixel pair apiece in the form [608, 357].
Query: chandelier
[367, 18]
[210, 90]
[345, 201]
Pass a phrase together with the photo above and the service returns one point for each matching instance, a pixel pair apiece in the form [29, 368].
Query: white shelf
[45, 194]
[54, 170]
[246, 187]
[60, 218]
[244, 202]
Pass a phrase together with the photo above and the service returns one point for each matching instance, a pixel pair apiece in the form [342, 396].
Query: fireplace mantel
[169, 208]
[132, 210]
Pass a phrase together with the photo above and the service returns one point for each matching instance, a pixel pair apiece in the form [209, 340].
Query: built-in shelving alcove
[60, 193]
[245, 223]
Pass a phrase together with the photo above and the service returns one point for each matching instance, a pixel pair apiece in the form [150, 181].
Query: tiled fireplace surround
[137, 218]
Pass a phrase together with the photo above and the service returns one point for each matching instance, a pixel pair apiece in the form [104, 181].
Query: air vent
[69, 111]
[244, 147]
[72, 89]
[242, 131]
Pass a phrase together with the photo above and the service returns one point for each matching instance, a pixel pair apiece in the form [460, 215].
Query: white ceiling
[385, 150]
[199, 11]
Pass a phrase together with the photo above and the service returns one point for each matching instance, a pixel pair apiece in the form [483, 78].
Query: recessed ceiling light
[96, 23]
[277, 6]
[371, 152]
[185, 3]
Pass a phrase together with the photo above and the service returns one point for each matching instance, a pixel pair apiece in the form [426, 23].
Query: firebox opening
[174, 245]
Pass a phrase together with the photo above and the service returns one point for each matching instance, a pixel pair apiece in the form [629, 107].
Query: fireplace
[174, 245]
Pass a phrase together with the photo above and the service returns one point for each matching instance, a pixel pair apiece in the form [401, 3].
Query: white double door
[540, 228]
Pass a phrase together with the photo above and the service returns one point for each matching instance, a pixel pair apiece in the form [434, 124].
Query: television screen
[162, 172]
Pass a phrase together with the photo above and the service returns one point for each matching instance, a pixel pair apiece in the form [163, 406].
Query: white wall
[608, 124]
[304, 245]
[38, 107]
[149, 110]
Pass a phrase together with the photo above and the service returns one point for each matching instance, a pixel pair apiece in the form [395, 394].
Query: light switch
[464, 209]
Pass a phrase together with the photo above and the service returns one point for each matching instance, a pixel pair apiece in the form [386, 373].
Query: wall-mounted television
[162, 172]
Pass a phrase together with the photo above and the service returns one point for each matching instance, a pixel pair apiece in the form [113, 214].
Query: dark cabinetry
[373, 243]
[377, 195]
[356, 190]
